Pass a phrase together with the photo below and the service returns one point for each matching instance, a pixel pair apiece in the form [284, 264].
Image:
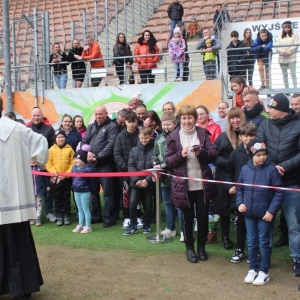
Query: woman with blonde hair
[225, 144]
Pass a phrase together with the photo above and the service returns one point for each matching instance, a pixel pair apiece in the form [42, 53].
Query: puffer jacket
[256, 115]
[101, 139]
[84, 184]
[176, 50]
[175, 11]
[40, 183]
[122, 51]
[259, 200]
[259, 51]
[148, 62]
[159, 157]
[175, 160]
[61, 160]
[282, 137]
[140, 158]
[213, 128]
[73, 138]
[44, 129]
[122, 148]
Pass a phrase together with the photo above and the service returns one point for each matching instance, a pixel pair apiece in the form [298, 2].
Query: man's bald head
[36, 115]
[100, 114]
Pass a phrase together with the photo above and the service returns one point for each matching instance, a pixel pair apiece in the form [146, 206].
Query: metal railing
[278, 82]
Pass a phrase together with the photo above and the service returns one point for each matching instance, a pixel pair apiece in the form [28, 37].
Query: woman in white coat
[287, 55]
[20, 273]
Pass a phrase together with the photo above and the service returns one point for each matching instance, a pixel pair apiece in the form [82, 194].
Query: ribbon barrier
[158, 238]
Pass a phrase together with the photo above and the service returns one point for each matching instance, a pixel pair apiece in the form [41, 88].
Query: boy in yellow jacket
[209, 60]
[61, 161]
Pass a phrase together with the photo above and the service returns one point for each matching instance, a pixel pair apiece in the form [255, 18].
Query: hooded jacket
[259, 200]
[259, 51]
[176, 50]
[148, 62]
[175, 160]
[256, 115]
[140, 158]
[84, 184]
[282, 137]
[101, 139]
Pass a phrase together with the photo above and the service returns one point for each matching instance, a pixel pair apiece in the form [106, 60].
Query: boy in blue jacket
[259, 206]
[261, 47]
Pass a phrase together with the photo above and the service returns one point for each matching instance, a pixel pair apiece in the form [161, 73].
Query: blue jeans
[83, 203]
[259, 234]
[108, 194]
[48, 203]
[179, 215]
[210, 69]
[173, 24]
[180, 66]
[61, 81]
[291, 210]
[169, 208]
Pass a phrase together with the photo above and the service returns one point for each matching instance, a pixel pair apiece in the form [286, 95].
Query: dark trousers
[118, 195]
[225, 225]
[198, 205]
[240, 230]
[146, 75]
[61, 193]
[96, 81]
[120, 72]
[48, 202]
[145, 196]
[283, 225]
[96, 210]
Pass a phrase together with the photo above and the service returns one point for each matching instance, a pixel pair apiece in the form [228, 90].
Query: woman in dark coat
[189, 151]
[121, 49]
[225, 144]
[78, 67]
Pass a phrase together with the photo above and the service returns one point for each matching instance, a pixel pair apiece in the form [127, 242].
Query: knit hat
[208, 41]
[177, 30]
[59, 131]
[289, 23]
[279, 102]
[255, 146]
[136, 96]
[82, 153]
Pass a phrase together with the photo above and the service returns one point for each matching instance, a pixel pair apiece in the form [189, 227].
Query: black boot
[202, 255]
[191, 255]
[228, 244]
[283, 240]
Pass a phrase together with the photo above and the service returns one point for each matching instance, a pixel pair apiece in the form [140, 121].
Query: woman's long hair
[83, 125]
[152, 41]
[154, 116]
[247, 41]
[284, 34]
[118, 39]
[231, 134]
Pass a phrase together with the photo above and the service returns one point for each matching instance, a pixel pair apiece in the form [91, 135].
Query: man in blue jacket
[281, 134]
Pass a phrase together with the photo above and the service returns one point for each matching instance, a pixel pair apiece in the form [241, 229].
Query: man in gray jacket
[216, 45]
[100, 136]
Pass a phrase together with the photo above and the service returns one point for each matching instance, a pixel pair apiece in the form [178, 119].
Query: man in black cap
[281, 133]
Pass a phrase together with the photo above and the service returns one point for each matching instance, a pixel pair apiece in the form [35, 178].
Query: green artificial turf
[112, 238]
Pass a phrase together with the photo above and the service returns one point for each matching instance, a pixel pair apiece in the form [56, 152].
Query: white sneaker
[169, 232]
[51, 217]
[140, 223]
[126, 224]
[250, 276]
[261, 278]
[181, 237]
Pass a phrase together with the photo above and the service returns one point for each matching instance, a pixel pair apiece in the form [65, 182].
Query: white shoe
[140, 223]
[126, 224]
[51, 217]
[169, 232]
[261, 278]
[181, 237]
[250, 276]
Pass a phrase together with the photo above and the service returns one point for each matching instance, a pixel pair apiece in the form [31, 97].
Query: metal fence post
[14, 56]
[35, 56]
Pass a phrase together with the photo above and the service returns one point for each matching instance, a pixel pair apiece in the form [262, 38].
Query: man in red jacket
[92, 51]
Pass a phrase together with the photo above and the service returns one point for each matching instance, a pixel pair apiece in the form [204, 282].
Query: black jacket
[77, 64]
[256, 115]
[46, 131]
[120, 51]
[101, 139]
[234, 57]
[140, 158]
[247, 57]
[73, 138]
[59, 68]
[175, 11]
[282, 137]
[122, 148]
